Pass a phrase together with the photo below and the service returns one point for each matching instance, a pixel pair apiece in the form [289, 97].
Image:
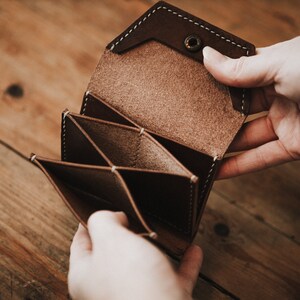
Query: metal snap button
[192, 43]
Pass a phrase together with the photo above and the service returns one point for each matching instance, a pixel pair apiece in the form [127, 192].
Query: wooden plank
[51, 56]
[246, 256]
[35, 234]
[36, 230]
[272, 196]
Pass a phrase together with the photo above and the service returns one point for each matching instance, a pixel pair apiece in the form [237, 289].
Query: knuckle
[237, 69]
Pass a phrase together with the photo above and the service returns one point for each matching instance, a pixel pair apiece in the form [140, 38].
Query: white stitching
[193, 179]
[153, 235]
[64, 138]
[86, 98]
[195, 23]
[180, 16]
[190, 206]
[32, 157]
[244, 92]
[207, 178]
[142, 131]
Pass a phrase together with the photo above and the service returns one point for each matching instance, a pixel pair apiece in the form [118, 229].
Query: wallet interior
[125, 170]
[153, 129]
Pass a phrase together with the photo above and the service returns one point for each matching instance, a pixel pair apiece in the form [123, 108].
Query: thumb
[81, 244]
[103, 224]
[252, 71]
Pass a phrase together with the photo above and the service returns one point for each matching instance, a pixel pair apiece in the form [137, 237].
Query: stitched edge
[244, 91]
[179, 16]
[207, 179]
[64, 154]
[86, 98]
[190, 206]
[191, 21]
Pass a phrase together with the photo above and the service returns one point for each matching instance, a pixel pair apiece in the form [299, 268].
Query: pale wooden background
[48, 50]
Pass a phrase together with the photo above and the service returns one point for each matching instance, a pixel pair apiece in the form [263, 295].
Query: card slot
[86, 189]
[202, 165]
[160, 196]
[76, 145]
[100, 109]
[129, 147]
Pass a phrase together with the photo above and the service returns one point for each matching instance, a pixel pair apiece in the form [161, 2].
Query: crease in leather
[124, 146]
[87, 178]
[78, 147]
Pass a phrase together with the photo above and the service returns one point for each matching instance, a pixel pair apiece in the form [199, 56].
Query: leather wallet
[153, 128]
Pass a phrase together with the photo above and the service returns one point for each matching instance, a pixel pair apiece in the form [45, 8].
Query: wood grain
[36, 230]
[250, 229]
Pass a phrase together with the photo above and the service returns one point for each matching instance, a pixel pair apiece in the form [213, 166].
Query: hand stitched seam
[244, 91]
[85, 104]
[180, 16]
[191, 21]
[207, 179]
[190, 206]
[64, 154]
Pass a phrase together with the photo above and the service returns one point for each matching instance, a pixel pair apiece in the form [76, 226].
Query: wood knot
[221, 229]
[15, 90]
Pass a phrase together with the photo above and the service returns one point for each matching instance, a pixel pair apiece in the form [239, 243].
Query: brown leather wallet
[153, 129]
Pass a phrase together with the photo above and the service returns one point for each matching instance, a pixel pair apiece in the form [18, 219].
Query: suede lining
[169, 94]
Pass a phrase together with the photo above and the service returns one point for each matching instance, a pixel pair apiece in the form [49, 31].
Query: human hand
[110, 262]
[275, 73]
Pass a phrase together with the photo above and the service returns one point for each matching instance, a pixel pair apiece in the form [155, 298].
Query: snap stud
[192, 43]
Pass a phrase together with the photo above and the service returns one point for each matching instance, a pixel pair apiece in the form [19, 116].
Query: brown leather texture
[153, 129]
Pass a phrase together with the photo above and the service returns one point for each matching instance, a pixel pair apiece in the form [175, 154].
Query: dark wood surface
[48, 50]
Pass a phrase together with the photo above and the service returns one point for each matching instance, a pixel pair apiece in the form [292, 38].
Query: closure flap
[153, 74]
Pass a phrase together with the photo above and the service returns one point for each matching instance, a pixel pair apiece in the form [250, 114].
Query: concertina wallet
[153, 128]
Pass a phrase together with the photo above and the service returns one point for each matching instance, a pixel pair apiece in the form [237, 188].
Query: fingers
[267, 155]
[253, 71]
[103, 224]
[189, 268]
[81, 244]
[254, 134]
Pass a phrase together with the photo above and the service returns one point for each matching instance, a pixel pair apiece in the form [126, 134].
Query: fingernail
[120, 213]
[211, 55]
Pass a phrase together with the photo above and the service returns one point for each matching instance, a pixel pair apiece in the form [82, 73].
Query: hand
[275, 73]
[110, 262]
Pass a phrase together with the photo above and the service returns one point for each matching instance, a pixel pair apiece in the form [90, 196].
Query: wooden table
[48, 50]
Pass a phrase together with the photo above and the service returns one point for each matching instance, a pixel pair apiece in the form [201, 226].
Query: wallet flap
[150, 74]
